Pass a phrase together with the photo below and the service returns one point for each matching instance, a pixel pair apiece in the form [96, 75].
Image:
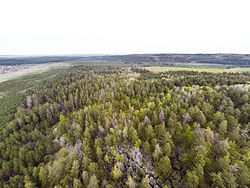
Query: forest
[119, 126]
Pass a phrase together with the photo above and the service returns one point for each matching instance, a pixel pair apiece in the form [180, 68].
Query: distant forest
[225, 59]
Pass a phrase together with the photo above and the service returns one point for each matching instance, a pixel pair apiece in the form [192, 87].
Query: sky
[39, 27]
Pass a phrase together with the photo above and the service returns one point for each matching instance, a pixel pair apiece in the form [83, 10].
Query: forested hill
[20, 60]
[101, 126]
[225, 59]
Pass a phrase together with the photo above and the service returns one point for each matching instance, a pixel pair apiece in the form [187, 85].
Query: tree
[157, 152]
[149, 132]
[43, 174]
[77, 183]
[93, 182]
[192, 179]
[202, 119]
[85, 178]
[130, 182]
[138, 143]
[242, 173]
[230, 179]
[146, 147]
[145, 182]
[62, 125]
[106, 158]
[75, 169]
[164, 167]
[217, 180]
[28, 183]
[116, 173]
[99, 153]
[223, 128]
[93, 168]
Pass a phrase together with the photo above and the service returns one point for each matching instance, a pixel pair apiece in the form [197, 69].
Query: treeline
[168, 59]
[22, 60]
[189, 78]
[94, 127]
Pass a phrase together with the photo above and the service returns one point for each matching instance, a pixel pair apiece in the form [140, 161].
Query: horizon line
[117, 54]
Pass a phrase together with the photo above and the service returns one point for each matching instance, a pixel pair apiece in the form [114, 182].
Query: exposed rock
[130, 170]
[162, 116]
[78, 147]
[101, 129]
[152, 181]
[176, 176]
[121, 166]
[176, 164]
[137, 165]
[186, 118]
[146, 120]
[29, 102]
[159, 182]
[136, 156]
[104, 183]
[61, 141]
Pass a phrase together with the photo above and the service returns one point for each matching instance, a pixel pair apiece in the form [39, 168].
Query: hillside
[110, 126]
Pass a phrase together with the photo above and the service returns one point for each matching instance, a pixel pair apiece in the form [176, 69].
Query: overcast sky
[124, 26]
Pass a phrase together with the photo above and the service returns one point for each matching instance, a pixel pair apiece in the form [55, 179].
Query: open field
[213, 69]
[22, 70]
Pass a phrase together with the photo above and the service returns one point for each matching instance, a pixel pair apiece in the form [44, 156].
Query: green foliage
[130, 182]
[138, 143]
[116, 173]
[94, 126]
[13, 92]
[164, 167]
[93, 182]
[192, 179]
[145, 183]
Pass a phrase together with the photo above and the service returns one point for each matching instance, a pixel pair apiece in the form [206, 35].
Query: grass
[32, 69]
[239, 69]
